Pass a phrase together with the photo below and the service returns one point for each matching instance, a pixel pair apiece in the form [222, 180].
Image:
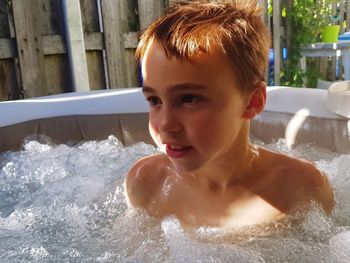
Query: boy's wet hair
[233, 26]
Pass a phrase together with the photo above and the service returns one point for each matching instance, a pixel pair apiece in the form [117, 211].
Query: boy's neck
[232, 168]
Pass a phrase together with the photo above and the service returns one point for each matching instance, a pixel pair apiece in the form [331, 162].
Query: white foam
[340, 247]
[63, 204]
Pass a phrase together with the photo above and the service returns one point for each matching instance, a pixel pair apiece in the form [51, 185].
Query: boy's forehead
[206, 69]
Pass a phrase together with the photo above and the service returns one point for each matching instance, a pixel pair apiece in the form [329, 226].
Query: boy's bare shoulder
[145, 178]
[300, 178]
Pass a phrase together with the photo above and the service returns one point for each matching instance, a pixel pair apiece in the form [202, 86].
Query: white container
[338, 98]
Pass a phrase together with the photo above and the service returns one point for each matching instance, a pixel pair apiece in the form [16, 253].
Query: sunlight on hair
[295, 124]
[235, 28]
[143, 61]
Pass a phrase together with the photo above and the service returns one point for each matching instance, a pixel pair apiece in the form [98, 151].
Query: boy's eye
[153, 101]
[190, 98]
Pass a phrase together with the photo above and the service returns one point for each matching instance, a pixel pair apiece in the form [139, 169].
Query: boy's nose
[168, 121]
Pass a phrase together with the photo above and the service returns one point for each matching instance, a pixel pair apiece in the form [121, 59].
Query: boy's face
[196, 108]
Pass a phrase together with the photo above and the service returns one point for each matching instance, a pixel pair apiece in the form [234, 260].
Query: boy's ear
[256, 101]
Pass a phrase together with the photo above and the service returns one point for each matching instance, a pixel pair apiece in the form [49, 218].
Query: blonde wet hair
[235, 27]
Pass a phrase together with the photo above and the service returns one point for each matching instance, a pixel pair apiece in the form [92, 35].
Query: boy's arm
[318, 186]
[312, 183]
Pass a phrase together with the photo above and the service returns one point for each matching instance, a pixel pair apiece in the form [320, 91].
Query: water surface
[66, 204]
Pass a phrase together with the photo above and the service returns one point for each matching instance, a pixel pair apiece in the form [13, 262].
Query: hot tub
[64, 158]
[298, 115]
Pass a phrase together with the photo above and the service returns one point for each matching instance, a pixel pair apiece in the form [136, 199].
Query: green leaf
[284, 12]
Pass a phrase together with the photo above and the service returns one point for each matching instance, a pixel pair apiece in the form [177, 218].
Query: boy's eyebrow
[147, 89]
[177, 87]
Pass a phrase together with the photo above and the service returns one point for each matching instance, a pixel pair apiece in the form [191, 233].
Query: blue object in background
[140, 75]
[345, 36]
[271, 68]
[271, 81]
[284, 53]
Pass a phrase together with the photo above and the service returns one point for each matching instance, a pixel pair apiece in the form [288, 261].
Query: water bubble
[340, 247]
[67, 204]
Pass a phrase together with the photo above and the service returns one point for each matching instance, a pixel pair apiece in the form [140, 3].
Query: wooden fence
[54, 46]
[35, 44]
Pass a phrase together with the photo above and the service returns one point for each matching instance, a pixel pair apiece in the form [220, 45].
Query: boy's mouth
[174, 151]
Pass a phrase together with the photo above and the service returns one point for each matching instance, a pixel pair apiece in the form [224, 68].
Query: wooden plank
[8, 81]
[16, 90]
[90, 19]
[276, 41]
[30, 52]
[4, 25]
[96, 71]
[323, 67]
[318, 52]
[149, 10]
[7, 48]
[91, 27]
[268, 21]
[89, 14]
[332, 75]
[104, 54]
[265, 17]
[319, 61]
[11, 24]
[303, 63]
[8, 84]
[3, 90]
[76, 45]
[289, 28]
[131, 39]
[111, 13]
[58, 77]
[346, 62]
[56, 63]
[289, 23]
[341, 14]
[340, 68]
[54, 44]
[130, 24]
[119, 25]
[94, 41]
[51, 17]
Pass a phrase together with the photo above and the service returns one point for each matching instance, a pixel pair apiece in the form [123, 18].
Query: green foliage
[8, 3]
[270, 8]
[325, 13]
[304, 31]
[307, 22]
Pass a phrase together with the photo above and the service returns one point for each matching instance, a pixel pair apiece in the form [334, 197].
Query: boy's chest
[237, 207]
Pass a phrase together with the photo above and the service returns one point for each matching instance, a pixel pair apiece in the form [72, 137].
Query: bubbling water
[61, 203]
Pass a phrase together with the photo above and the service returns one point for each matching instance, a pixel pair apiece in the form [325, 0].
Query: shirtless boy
[203, 65]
